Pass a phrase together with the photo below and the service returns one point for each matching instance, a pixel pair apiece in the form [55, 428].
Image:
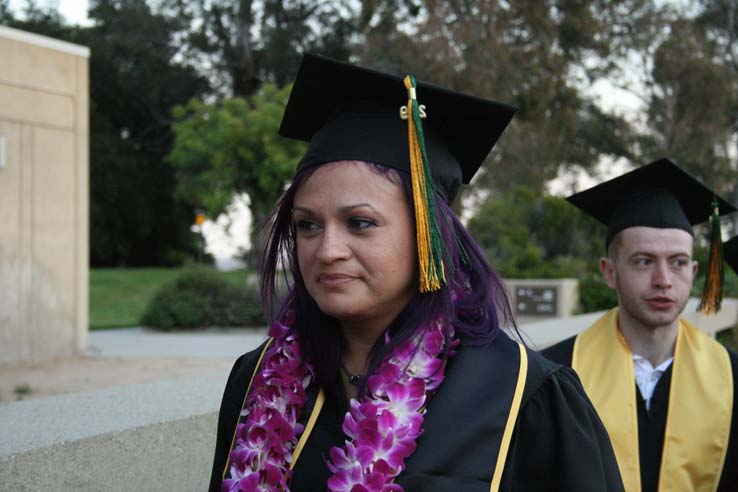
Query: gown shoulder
[561, 352]
[559, 442]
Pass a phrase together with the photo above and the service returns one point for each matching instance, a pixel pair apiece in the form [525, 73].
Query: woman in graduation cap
[387, 367]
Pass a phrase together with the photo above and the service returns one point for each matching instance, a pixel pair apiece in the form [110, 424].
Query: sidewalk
[141, 342]
[132, 356]
[106, 419]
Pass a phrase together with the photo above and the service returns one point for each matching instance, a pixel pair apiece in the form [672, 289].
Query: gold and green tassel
[712, 293]
[430, 248]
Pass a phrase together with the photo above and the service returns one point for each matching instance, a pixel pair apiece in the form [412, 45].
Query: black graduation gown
[652, 423]
[558, 442]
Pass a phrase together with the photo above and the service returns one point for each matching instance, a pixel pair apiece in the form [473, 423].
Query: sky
[75, 11]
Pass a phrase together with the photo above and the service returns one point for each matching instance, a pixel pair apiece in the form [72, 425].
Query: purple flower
[382, 429]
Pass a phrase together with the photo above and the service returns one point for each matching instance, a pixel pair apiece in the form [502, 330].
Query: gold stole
[700, 404]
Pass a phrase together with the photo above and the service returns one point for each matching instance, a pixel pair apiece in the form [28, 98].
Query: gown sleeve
[559, 442]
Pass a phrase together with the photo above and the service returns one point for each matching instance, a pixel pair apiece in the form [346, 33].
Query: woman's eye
[361, 223]
[305, 225]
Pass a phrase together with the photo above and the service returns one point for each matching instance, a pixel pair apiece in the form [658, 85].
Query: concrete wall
[150, 437]
[44, 188]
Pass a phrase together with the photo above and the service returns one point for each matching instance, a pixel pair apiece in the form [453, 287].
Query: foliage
[119, 296]
[530, 236]
[22, 391]
[135, 219]
[728, 337]
[247, 43]
[199, 297]
[534, 55]
[6, 16]
[543, 57]
[696, 134]
[718, 19]
[594, 294]
[232, 148]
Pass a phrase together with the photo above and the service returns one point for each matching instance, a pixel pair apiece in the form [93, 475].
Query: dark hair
[474, 300]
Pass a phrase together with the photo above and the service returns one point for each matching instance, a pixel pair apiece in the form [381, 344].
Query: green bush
[594, 294]
[198, 298]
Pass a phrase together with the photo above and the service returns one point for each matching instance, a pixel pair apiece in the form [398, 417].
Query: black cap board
[348, 112]
[659, 195]
[730, 253]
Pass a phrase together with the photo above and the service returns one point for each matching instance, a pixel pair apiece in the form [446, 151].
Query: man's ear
[607, 267]
[695, 269]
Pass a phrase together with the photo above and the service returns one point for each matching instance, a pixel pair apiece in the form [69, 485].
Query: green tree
[6, 16]
[537, 55]
[526, 235]
[719, 20]
[135, 218]
[135, 82]
[224, 150]
[245, 43]
[692, 103]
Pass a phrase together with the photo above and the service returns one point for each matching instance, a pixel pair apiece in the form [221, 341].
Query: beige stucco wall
[44, 188]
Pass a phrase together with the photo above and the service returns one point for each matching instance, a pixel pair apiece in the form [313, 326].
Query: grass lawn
[118, 296]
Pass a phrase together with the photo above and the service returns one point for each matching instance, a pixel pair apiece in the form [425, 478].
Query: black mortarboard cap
[352, 113]
[659, 195]
[730, 253]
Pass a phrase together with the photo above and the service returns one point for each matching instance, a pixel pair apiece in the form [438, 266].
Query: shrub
[198, 298]
[594, 294]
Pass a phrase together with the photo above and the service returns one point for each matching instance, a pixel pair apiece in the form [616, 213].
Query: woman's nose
[332, 245]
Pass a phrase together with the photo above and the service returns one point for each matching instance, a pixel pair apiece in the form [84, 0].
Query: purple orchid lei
[381, 429]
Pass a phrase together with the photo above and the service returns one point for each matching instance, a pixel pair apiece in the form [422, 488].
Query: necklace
[353, 379]
[381, 429]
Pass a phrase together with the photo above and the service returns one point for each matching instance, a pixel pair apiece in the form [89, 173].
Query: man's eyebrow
[652, 254]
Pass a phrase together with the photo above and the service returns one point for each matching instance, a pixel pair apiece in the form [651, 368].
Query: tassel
[430, 249]
[712, 293]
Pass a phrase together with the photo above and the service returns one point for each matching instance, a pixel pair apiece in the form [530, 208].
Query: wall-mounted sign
[535, 301]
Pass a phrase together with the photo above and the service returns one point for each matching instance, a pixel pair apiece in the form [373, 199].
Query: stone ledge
[156, 436]
[174, 455]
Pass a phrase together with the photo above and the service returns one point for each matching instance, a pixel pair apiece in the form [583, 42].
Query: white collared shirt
[647, 376]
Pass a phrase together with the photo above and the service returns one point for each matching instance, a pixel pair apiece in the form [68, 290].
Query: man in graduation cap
[663, 388]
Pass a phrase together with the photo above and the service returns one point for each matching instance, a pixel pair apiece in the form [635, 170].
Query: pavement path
[142, 342]
[133, 356]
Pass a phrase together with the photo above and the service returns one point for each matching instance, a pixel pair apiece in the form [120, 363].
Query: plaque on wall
[535, 301]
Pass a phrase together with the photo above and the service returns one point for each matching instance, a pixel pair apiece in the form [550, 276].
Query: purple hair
[478, 312]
